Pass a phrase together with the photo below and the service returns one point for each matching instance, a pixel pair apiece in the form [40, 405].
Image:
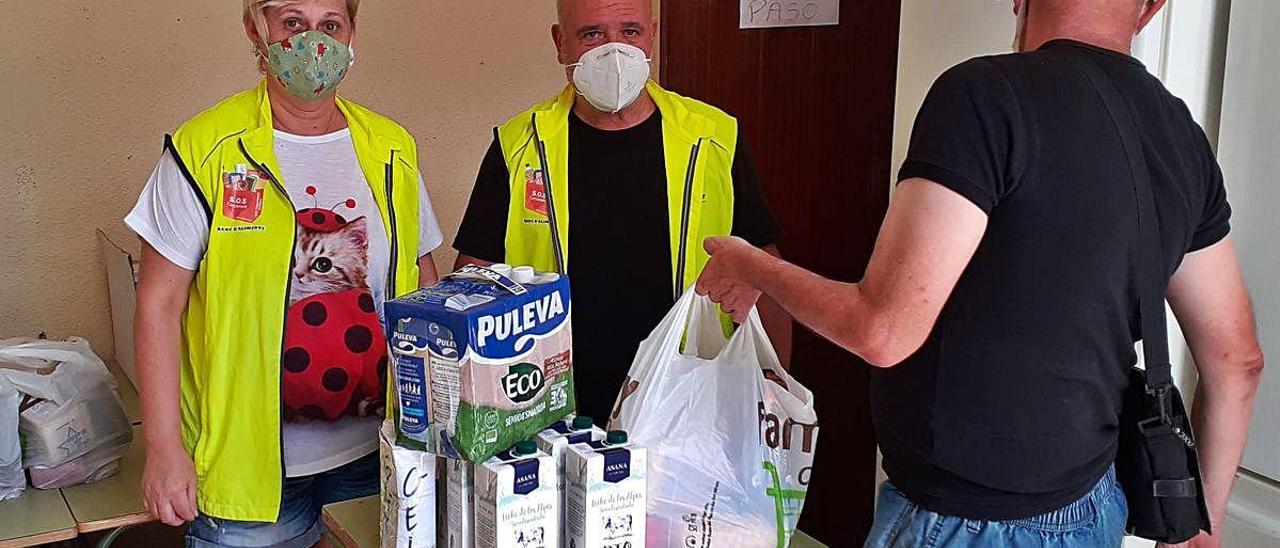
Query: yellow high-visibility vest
[699, 142]
[233, 328]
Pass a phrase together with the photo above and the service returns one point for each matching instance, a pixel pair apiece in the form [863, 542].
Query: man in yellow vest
[616, 182]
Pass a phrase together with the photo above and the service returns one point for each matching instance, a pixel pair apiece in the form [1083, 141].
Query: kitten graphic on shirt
[335, 358]
[329, 262]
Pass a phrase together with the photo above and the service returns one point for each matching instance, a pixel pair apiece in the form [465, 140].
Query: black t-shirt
[619, 247]
[1010, 408]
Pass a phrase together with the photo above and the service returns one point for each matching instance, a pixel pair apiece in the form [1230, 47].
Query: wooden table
[355, 524]
[35, 517]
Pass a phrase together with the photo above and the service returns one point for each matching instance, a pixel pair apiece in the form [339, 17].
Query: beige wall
[91, 87]
[934, 36]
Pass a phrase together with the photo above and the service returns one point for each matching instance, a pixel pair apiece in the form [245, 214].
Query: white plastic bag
[98, 464]
[730, 449]
[81, 411]
[12, 482]
[408, 509]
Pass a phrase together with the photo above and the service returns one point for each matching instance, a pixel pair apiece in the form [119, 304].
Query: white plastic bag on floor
[12, 482]
[81, 411]
[730, 434]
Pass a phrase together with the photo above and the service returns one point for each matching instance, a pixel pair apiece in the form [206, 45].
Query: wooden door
[816, 107]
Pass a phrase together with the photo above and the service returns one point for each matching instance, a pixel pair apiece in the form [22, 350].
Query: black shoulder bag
[1156, 465]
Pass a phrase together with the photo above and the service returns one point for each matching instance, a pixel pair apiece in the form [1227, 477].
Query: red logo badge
[242, 194]
[535, 191]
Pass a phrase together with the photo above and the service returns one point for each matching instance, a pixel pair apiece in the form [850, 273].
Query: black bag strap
[1148, 261]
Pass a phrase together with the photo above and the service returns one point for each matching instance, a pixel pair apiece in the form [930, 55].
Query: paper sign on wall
[760, 14]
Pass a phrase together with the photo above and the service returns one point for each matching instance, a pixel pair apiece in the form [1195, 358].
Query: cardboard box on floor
[122, 282]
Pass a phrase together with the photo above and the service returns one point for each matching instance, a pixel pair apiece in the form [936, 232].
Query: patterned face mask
[310, 64]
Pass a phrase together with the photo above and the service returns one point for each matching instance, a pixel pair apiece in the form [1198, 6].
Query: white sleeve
[170, 216]
[429, 235]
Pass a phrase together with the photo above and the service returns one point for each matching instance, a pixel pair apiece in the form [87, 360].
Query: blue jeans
[1096, 520]
[299, 524]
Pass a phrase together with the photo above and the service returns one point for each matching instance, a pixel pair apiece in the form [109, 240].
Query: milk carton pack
[482, 360]
[517, 504]
[409, 483]
[556, 440]
[460, 500]
[606, 489]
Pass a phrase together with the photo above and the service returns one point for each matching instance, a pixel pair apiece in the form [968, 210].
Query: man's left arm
[927, 240]
[1210, 300]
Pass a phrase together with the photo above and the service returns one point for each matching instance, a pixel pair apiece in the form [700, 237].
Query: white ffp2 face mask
[611, 76]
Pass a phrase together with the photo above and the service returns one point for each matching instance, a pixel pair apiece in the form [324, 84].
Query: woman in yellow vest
[274, 227]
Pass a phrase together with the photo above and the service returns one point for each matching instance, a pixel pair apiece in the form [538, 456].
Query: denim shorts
[1096, 520]
[299, 524]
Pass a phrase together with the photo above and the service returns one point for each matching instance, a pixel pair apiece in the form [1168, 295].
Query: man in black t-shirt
[1000, 302]
[635, 177]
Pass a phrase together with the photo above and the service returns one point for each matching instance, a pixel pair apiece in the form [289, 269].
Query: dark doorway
[816, 107]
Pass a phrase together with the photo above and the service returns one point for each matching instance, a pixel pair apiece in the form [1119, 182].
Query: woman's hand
[169, 485]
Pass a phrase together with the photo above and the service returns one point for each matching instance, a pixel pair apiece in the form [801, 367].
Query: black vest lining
[204, 202]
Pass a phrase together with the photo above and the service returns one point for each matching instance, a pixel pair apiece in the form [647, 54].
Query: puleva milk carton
[606, 490]
[408, 494]
[460, 500]
[555, 441]
[481, 361]
[517, 505]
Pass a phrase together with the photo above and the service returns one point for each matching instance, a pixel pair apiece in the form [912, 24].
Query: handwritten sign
[761, 14]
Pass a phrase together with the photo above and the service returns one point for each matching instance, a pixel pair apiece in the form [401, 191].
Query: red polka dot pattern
[334, 357]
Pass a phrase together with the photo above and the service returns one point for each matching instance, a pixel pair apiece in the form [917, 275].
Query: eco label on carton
[494, 359]
[517, 505]
[606, 495]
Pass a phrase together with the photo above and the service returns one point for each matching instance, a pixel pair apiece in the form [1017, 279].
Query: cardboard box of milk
[482, 360]
[517, 503]
[605, 493]
[556, 440]
[459, 514]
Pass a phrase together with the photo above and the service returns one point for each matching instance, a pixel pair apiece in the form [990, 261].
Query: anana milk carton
[481, 360]
[606, 489]
[555, 441]
[517, 505]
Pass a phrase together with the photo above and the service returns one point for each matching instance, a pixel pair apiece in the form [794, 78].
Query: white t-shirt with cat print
[348, 255]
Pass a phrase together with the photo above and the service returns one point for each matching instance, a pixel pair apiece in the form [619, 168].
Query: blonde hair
[255, 10]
